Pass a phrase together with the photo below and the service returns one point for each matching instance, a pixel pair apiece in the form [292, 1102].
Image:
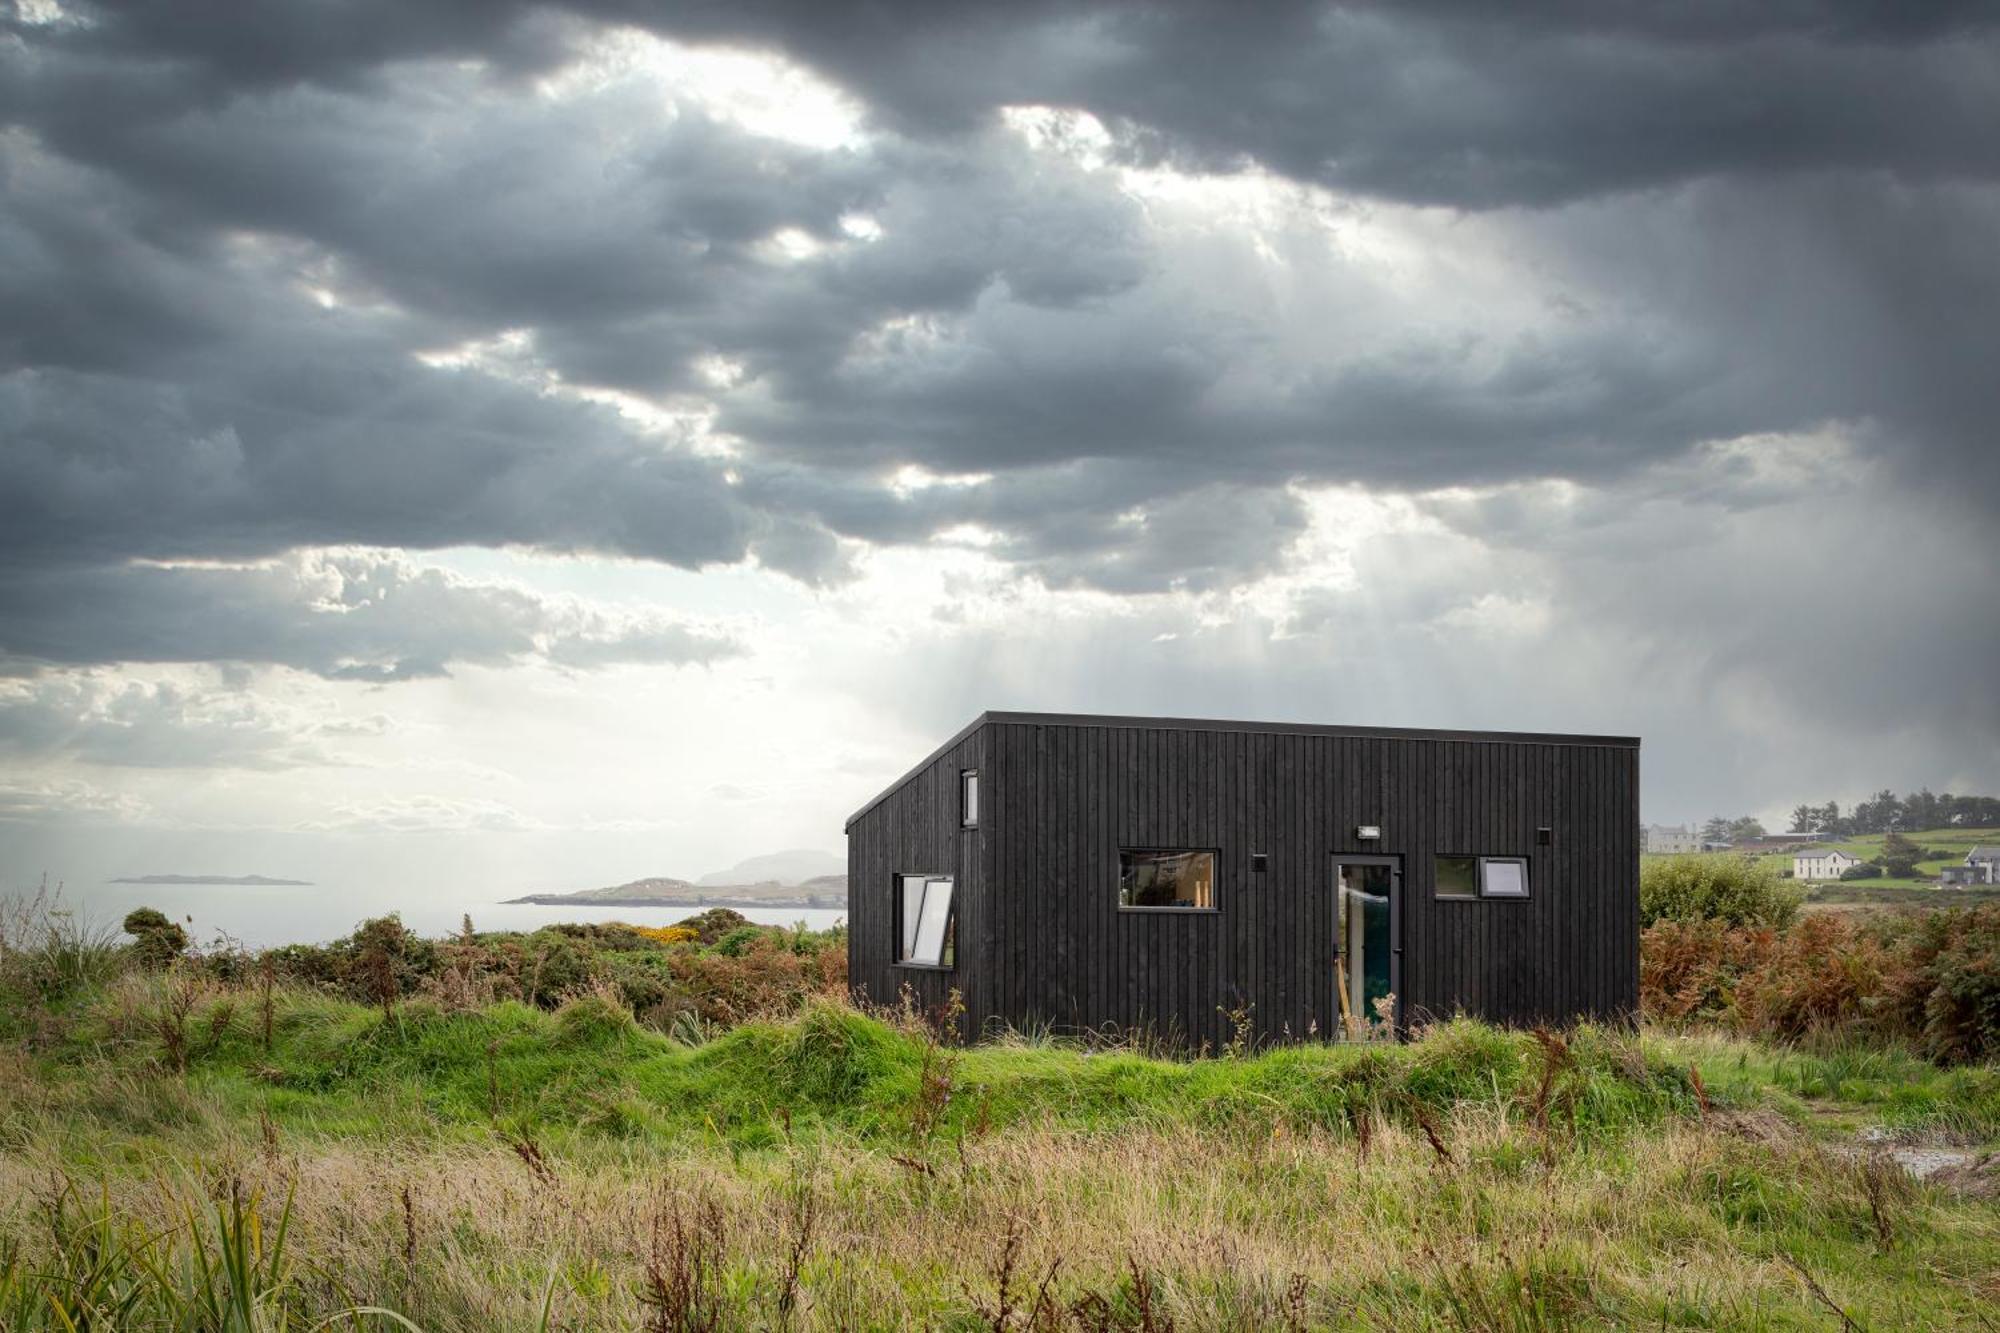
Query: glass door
[1367, 949]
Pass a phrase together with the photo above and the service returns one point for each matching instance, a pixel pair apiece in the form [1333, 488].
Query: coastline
[571, 900]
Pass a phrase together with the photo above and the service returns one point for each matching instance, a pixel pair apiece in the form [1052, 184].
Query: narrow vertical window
[968, 798]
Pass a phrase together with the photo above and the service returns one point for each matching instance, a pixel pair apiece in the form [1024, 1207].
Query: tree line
[1886, 812]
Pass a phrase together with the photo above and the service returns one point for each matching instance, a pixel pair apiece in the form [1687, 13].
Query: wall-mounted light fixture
[1260, 861]
[1368, 832]
[1544, 836]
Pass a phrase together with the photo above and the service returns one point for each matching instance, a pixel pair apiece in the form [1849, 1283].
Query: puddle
[1921, 1162]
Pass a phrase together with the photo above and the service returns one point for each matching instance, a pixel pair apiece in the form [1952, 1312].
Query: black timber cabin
[1168, 875]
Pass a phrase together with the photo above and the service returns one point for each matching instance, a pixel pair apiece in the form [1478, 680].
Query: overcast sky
[474, 446]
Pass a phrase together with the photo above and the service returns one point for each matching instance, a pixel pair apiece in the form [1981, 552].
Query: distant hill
[660, 891]
[791, 867]
[261, 881]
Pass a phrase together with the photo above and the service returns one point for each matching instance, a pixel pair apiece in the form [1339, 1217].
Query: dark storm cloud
[1742, 218]
[340, 616]
[1456, 103]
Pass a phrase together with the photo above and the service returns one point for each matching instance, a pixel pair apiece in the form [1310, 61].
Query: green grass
[340, 1068]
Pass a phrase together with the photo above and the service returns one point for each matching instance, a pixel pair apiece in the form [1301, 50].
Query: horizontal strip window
[1470, 877]
[1161, 879]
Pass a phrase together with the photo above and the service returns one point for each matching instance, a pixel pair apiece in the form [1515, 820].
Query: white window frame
[924, 921]
[968, 798]
[1485, 880]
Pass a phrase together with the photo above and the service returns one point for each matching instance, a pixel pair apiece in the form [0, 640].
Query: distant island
[258, 881]
[820, 891]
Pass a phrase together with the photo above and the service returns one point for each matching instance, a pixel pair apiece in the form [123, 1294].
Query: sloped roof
[1983, 854]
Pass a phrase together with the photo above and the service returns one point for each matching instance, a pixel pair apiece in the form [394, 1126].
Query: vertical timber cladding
[1041, 939]
[915, 828]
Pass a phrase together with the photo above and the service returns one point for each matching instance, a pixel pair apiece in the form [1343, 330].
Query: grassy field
[199, 1156]
[1956, 841]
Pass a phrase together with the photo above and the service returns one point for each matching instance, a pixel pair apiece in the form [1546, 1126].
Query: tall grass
[50, 954]
[1184, 1227]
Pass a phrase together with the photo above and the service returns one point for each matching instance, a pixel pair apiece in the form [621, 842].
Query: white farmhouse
[1678, 838]
[1982, 866]
[1822, 863]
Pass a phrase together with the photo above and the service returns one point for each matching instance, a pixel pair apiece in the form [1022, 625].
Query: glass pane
[1506, 879]
[931, 922]
[913, 904]
[1166, 879]
[971, 799]
[1458, 877]
[1365, 946]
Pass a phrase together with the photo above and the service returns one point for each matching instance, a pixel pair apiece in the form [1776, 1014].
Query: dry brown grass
[1175, 1227]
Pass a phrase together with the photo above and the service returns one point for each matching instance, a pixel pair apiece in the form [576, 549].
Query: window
[926, 930]
[1149, 878]
[1503, 876]
[1482, 877]
[1458, 877]
[968, 798]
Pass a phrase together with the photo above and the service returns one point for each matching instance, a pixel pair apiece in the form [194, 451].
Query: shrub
[1820, 976]
[713, 924]
[158, 940]
[738, 941]
[1689, 970]
[1862, 871]
[1715, 887]
[667, 934]
[1930, 978]
[1948, 993]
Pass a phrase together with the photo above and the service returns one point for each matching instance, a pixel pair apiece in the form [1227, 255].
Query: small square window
[1156, 878]
[926, 932]
[1458, 877]
[1503, 876]
[968, 798]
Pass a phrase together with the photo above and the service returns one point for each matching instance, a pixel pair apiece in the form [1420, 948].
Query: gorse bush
[1719, 886]
[720, 969]
[159, 940]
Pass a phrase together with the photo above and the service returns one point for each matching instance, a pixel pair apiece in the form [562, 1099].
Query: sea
[259, 916]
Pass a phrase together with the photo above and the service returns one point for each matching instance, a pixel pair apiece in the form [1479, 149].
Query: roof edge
[1312, 729]
[1218, 724]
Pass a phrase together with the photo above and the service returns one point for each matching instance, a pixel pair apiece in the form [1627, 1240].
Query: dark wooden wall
[914, 829]
[1041, 937]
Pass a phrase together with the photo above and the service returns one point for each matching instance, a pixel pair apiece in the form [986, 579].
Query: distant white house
[1982, 866]
[1679, 838]
[1822, 863]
